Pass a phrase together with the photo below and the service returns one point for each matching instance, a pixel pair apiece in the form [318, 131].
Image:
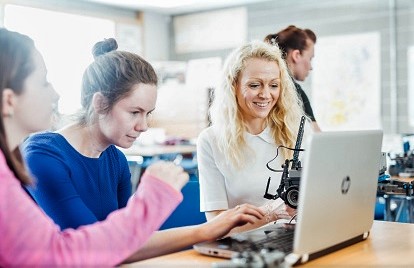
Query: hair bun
[103, 47]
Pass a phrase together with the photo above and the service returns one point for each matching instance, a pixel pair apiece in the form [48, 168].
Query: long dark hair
[16, 64]
[113, 74]
[291, 38]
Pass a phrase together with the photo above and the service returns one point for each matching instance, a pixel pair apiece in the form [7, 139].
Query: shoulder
[207, 135]
[206, 132]
[299, 88]
[43, 141]
[42, 137]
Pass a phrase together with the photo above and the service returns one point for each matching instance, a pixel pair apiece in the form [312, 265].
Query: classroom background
[362, 78]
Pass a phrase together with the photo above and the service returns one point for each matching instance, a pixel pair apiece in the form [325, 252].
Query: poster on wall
[346, 90]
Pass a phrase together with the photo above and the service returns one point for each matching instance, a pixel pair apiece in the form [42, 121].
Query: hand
[284, 212]
[169, 173]
[224, 222]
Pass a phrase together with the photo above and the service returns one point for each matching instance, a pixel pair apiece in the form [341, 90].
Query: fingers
[247, 213]
[169, 173]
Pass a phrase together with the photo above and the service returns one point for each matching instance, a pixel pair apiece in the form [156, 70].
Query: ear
[8, 102]
[295, 55]
[99, 103]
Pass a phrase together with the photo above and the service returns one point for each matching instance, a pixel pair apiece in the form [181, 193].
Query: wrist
[201, 232]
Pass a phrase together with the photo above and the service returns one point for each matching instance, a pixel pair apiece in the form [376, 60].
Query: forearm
[169, 241]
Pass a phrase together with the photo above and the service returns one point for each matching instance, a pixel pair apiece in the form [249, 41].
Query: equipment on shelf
[404, 162]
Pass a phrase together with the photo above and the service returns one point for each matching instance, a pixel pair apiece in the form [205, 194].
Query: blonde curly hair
[225, 114]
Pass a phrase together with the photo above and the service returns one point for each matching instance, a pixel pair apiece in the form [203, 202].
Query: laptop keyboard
[272, 239]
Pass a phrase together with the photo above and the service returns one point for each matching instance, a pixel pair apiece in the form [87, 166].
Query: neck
[85, 139]
[256, 127]
[94, 140]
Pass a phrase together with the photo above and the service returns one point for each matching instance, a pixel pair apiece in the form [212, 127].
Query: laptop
[337, 196]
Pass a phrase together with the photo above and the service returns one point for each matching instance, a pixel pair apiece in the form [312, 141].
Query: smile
[261, 104]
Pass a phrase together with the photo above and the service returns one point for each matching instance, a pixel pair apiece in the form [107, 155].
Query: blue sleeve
[55, 192]
[124, 186]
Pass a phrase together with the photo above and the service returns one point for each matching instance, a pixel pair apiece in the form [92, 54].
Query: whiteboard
[210, 30]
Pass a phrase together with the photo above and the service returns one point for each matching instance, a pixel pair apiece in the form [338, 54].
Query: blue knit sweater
[73, 189]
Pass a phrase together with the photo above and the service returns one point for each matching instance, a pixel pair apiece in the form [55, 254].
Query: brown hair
[291, 38]
[113, 74]
[16, 65]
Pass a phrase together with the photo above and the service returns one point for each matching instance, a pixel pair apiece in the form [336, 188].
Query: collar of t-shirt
[265, 135]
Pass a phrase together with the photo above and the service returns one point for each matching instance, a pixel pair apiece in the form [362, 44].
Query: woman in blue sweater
[81, 175]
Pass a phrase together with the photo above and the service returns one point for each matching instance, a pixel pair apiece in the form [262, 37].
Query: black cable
[277, 153]
[293, 217]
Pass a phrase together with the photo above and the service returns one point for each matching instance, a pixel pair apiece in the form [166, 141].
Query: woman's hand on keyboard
[284, 212]
[224, 222]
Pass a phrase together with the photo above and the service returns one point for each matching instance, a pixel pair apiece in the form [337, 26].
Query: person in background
[28, 236]
[297, 46]
[254, 111]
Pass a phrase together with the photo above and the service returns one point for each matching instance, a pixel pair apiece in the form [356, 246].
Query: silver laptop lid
[337, 189]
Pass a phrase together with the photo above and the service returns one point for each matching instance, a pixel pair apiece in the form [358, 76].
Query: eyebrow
[143, 110]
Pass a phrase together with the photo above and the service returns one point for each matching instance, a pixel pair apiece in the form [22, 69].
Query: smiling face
[129, 117]
[257, 91]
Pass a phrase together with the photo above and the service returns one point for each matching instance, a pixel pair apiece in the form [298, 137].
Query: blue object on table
[379, 209]
[406, 146]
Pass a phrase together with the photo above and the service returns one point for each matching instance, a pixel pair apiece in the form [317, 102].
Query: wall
[393, 19]
[156, 36]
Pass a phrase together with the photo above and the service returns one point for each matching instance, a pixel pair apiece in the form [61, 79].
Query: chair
[188, 212]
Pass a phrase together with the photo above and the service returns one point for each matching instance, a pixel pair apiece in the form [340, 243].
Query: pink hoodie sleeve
[29, 237]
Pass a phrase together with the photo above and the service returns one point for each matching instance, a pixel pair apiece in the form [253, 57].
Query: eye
[135, 112]
[254, 85]
[274, 86]
[149, 114]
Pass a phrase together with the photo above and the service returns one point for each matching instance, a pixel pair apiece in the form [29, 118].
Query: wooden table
[390, 244]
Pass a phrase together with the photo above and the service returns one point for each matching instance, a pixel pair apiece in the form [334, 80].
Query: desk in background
[399, 201]
[390, 244]
[140, 156]
[157, 150]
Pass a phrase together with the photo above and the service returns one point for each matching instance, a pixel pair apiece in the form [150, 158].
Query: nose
[142, 124]
[265, 92]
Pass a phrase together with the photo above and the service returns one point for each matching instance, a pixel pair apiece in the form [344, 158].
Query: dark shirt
[305, 100]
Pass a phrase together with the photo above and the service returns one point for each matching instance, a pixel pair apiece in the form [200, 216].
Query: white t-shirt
[222, 186]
